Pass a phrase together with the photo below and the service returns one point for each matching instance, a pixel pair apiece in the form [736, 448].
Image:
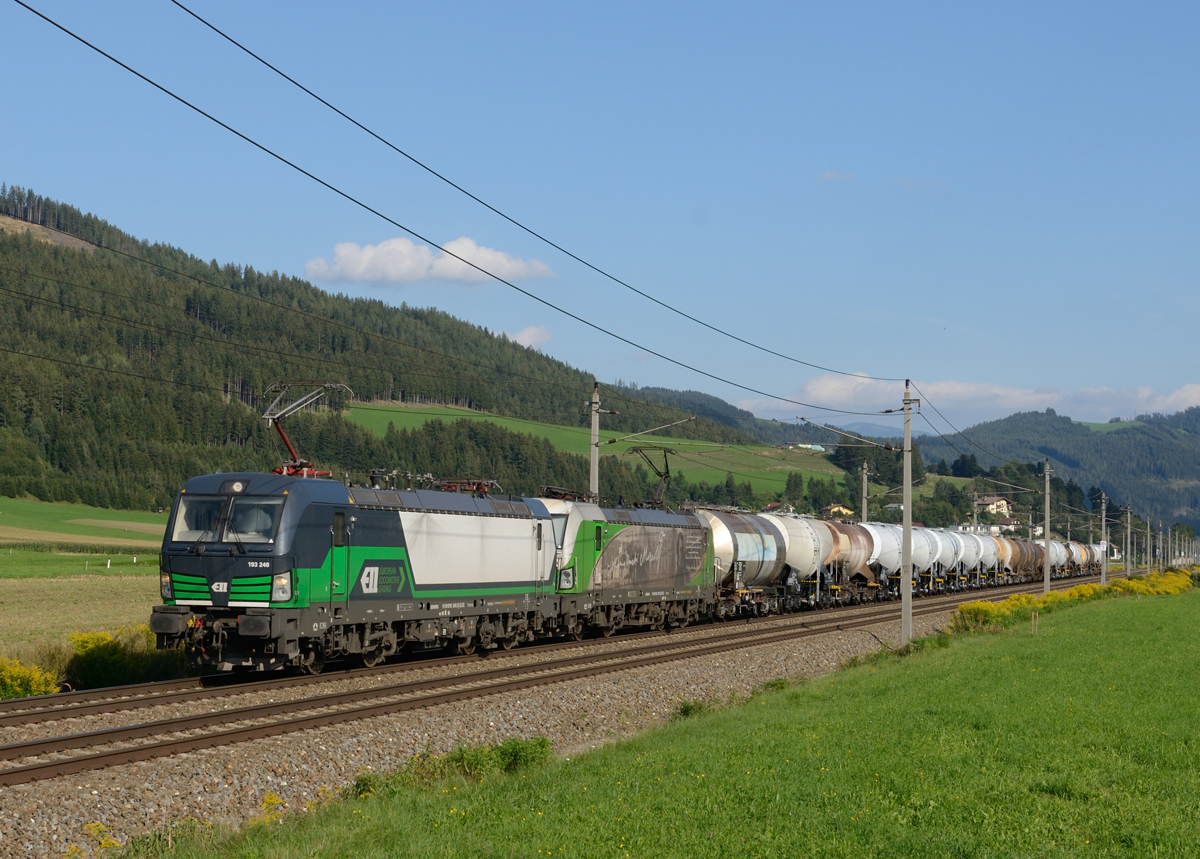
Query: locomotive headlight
[281, 587]
[566, 578]
[165, 586]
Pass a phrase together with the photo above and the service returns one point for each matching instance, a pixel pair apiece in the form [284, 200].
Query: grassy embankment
[1079, 741]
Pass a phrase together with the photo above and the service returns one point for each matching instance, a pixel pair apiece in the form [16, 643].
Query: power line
[513, 220]
[350, 198]
[963, 435]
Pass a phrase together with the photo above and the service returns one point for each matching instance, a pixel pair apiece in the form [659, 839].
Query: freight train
[263, 571]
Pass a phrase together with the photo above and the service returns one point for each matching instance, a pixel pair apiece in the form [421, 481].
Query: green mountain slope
[716, 409]
[149, 373]
[1152, 464]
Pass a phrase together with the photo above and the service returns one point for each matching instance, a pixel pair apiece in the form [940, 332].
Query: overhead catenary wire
[529, 230]
[961, 434]
[368, 208]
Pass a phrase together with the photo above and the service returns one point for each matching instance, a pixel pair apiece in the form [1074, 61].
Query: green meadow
[1079, 741]
[766, 468]
[27, 521]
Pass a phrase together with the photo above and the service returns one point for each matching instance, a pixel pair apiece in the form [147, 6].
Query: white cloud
[533, 336]
[402, 261]
[967, 403]
[834, 176]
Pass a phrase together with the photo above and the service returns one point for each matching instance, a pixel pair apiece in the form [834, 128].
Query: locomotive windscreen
[196, 518]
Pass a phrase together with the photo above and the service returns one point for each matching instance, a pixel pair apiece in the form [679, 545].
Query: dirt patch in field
[28, 535]
[44, 609]
[119, 525]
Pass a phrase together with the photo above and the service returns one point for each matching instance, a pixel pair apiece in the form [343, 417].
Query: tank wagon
[263, 571]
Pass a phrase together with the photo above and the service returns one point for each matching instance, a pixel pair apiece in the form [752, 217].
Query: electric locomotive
[264, 571]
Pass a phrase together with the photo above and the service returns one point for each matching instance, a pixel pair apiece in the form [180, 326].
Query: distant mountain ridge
[1153, 464]
[715, 409]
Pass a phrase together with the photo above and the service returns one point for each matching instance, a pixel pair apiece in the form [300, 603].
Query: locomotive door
[540, 540]
[339, 557]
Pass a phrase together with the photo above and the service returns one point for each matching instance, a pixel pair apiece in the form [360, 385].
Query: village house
[997, 505]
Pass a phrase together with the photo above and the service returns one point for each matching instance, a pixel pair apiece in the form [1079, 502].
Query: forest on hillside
[1153, 465]
[132, 366]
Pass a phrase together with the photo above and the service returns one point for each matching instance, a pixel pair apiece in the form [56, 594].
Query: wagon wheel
[466, 648]
[608, 631]
[314, 663]
[576, 632]
[373, 657]
[508, 643]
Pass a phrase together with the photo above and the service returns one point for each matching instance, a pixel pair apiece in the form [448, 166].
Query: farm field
[1076, 742]
[24, 520]
[46, 595]
[44, 610]
[765, 467]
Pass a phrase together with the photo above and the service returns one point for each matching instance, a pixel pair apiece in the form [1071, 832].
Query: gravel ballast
[226, 786]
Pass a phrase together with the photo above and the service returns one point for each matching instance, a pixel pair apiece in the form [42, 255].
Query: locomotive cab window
[339, 530]
[599, 537]
[196, 518]
[253, 520]
[539, 536]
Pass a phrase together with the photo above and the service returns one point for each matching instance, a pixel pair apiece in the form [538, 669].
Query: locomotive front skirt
[265, 571]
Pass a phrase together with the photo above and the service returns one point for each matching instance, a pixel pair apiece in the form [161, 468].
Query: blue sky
[999, 202]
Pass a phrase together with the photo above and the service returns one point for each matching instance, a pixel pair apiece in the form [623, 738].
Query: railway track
[70, 705]
[40, 759]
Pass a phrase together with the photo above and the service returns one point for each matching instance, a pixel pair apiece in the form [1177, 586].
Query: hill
[721, 412]
[1152, 463]
[132, 365]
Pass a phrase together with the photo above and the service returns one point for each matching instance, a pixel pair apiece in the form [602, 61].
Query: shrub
[113, 659]
[516, 753]
[21, 681]
[688, 709]
[474, 762]
[982, 614]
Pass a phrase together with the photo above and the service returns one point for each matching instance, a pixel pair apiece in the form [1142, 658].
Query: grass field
[25, 520]
[1096, 427]
[36, 611]
[765, 467]
[46, 595]
[1079, 741]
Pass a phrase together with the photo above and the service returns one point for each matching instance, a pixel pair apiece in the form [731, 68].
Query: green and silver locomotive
[265, 571]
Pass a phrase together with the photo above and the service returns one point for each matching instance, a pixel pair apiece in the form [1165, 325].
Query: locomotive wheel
[314, 663]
